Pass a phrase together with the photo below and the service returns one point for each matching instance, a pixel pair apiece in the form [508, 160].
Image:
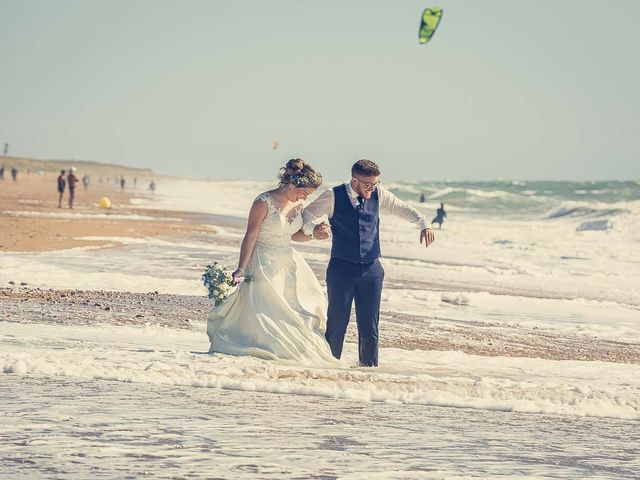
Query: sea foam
[169, 357]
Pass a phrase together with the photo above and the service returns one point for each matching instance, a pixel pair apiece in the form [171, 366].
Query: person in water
[440, 214]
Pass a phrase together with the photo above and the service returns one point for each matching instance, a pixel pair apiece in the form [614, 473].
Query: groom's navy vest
[356, 234]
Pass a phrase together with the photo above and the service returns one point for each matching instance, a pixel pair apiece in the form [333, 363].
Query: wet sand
[22, 304]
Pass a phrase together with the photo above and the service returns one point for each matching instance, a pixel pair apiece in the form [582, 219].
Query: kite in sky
[430, 20]
[274, 145]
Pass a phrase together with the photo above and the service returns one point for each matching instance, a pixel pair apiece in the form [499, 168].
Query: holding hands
[322, 231]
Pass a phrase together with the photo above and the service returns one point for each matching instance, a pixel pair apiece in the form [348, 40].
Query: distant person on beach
[86, 180]
[14, 174]
[135, 181]
[73, 180]
[6, 149]
[422, 198]
[122, 183]
[152, 186]
[440, 214]
[2, 172]
[62, 183]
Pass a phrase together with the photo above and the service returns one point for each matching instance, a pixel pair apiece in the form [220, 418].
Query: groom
[354, 271]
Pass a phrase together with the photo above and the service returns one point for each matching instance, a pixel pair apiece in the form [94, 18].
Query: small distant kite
[274, 145]
[430, 20]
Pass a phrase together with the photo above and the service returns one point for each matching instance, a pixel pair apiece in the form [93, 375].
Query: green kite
[430, 20]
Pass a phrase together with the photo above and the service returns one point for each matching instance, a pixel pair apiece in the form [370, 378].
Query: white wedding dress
[281, 313]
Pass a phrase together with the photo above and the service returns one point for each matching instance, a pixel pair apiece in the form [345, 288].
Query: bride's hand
[238, 276]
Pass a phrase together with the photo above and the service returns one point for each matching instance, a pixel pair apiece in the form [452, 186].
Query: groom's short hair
[365, 168]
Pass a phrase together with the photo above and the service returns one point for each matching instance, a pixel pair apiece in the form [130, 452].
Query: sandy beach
[30, 220]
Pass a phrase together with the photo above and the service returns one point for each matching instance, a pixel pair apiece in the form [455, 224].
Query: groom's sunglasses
[367, 185]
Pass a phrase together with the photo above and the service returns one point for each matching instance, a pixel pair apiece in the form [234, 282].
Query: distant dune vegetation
[83, 166]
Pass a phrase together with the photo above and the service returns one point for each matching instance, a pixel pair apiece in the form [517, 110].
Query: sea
[530, 259]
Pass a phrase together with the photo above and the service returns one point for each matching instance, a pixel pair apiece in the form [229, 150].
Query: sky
[536, 90]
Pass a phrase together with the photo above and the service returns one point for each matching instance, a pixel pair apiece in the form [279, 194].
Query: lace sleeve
[266, 198]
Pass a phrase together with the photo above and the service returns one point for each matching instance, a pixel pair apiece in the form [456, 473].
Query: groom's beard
[366, 195]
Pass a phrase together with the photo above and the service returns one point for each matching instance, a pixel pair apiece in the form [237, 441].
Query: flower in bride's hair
[296, 180]
[315, 178]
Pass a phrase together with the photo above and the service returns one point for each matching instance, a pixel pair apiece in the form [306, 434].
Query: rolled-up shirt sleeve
[389, 203]
[316, 210]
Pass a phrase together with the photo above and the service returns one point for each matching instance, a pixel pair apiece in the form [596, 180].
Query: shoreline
[23, 304]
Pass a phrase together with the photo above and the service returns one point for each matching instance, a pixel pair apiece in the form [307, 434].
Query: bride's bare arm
[300, 236]
[322, 231]
[257, 215]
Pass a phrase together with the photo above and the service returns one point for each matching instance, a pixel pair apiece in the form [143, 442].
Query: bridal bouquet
[219, 281]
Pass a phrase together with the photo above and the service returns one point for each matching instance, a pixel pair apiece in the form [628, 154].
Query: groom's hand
[428, 237]
[321, 231]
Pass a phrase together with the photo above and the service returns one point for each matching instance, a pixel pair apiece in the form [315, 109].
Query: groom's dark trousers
[355, 273]
[361, 282]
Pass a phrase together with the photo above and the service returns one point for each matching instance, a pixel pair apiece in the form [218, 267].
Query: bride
[281, 313]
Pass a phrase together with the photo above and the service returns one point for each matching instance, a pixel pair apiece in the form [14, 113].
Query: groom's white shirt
[389, 203]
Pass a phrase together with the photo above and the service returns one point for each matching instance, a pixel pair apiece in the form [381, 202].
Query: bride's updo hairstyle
[299, 174]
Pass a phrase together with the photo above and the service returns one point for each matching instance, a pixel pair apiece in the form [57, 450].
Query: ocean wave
[525, 198]
[489, 193]
[407, 188]
[590, 192]
[442, 193]
[594, 225]
[469, 193]
[586, 209]
[433, 387]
